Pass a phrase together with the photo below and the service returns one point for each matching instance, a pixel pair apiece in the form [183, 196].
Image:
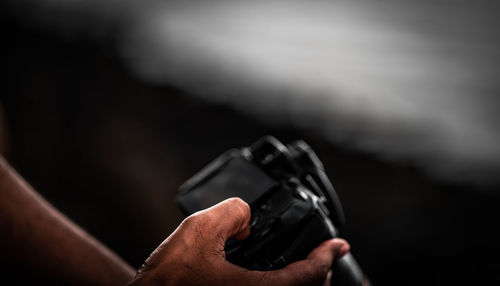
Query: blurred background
[108, 106]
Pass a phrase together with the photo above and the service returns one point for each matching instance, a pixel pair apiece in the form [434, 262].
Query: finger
[329, 250]
[229, 218]
[314, 269]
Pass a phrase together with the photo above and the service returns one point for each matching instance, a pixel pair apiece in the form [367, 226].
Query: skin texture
[39, 239]
[36, 238]
[194, 254]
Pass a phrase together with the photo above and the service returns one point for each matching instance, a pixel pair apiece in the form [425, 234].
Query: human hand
[194, 254]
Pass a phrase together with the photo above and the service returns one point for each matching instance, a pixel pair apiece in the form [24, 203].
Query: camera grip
[346, 272]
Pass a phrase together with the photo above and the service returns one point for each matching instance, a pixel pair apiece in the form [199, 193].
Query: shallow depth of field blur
[108, 106]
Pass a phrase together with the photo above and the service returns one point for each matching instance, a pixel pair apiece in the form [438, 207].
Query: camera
[294, 206]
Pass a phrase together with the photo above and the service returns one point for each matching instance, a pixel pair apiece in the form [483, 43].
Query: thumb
[227, 219]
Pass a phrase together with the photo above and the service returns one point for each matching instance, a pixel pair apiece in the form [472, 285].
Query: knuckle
[193, 229]
[322, 269]
[316, 272]
[190, 220]
[309, 271]
[263, 278]
[237, 201]
[239, 204]
[195, 220]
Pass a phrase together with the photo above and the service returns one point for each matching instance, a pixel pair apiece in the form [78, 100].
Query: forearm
[36, 236]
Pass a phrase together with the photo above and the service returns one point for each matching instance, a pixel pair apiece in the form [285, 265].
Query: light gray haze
[412, 81]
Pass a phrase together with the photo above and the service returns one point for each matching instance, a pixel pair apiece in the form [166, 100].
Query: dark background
[110, 152]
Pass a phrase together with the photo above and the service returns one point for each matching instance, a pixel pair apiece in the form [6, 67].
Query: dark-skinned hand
[194, 254]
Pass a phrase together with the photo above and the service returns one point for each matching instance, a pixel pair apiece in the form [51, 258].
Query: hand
[194, 254]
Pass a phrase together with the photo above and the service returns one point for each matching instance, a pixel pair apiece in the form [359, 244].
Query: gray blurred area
[406, 80]
[109, 106]
[409, 81]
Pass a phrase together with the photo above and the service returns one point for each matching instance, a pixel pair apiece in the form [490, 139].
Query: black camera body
[294, 206]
